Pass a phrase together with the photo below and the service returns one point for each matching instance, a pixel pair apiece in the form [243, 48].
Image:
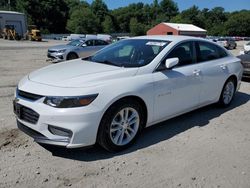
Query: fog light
[60, 131]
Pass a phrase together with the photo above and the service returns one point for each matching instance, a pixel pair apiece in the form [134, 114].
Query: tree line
[75, 16]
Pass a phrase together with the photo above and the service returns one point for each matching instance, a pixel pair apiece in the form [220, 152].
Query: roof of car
[175, 38]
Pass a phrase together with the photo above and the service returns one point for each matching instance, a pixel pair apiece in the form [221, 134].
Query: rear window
[222, 53]
[206, 51]
[100, 43]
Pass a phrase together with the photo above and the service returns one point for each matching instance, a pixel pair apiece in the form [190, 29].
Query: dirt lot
[209, 147]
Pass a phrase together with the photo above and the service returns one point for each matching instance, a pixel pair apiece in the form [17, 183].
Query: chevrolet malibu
[108, 98]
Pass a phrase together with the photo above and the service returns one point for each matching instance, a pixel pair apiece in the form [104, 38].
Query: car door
[177, 90]
[212, 61]
[87, 48]
[92, 47]
[99, 44]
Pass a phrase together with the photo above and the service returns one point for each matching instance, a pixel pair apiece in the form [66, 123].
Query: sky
[228, 5]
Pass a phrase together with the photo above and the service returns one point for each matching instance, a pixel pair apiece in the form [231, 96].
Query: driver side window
[184, 52]
[90, 43]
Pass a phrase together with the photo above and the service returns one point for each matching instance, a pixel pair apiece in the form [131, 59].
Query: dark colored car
[245, 59]
[228, 43]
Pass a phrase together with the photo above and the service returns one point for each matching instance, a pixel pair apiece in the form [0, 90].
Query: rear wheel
[227, 93]
[120, 125]
[72, 56]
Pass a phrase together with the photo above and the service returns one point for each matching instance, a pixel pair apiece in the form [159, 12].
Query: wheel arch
[234, 78]
[71, 52]
[131, 97]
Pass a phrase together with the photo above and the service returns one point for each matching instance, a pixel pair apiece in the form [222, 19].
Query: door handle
[223, 67]
[196, 72]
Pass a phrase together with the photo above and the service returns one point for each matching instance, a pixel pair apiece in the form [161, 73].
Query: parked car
[246, 38]
[64, 38]
[75, 49]
[111, 96]
[72, 37]
[245, 60]
[228, 43]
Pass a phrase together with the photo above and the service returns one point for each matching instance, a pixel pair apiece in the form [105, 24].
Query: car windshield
[76, 43]
[130, 53]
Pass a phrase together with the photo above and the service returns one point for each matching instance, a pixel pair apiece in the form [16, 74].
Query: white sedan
[111, 96]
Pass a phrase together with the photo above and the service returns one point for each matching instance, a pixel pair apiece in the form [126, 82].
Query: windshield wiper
[108, 63]
[103, 62]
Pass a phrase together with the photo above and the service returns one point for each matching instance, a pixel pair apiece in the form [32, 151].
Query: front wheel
[120, 125]
[227, 93]
[71, 56]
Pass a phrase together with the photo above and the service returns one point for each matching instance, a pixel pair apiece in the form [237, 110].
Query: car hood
[79, 73]
[61, 47]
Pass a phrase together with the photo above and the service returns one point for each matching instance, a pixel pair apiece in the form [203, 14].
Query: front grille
[28, 115]
[29, 96]
[52, 51]
[246, 65]
[50, 56]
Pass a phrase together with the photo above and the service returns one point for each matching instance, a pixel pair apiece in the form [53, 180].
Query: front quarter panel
[140, 86]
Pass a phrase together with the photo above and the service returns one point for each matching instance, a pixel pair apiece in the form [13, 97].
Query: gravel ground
[209, 147]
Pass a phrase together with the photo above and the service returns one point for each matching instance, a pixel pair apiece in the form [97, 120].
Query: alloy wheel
[228, 92]
[124, 126]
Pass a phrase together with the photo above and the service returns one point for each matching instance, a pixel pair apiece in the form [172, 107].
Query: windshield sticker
[156, 43]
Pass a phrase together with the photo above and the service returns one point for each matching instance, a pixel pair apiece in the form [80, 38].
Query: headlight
[70, 102]
[61, 51]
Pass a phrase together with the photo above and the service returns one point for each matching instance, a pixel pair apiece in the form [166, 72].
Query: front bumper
[38, 137]
[56, 57]
[82, 122]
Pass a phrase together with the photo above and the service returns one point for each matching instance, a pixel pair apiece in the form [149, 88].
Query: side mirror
[171, 62]
[84, 45]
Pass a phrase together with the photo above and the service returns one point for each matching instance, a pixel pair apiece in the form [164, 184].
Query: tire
[227, 93]
[116, 133]
[71, 56]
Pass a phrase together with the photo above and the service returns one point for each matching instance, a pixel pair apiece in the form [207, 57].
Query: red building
[177, 29]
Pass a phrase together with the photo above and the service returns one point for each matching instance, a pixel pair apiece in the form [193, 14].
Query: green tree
[4, 5]
[47, 14]
[136, 28]
[100, 9]
[169, 9]
[75, 4]
[178, 19]
[192, 16]
[108, 25]
[83, 20]
[214, 20]
[80, 17]
[238, 24]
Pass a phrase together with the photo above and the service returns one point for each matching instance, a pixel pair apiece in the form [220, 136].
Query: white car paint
[166, 93]
[247, 47]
